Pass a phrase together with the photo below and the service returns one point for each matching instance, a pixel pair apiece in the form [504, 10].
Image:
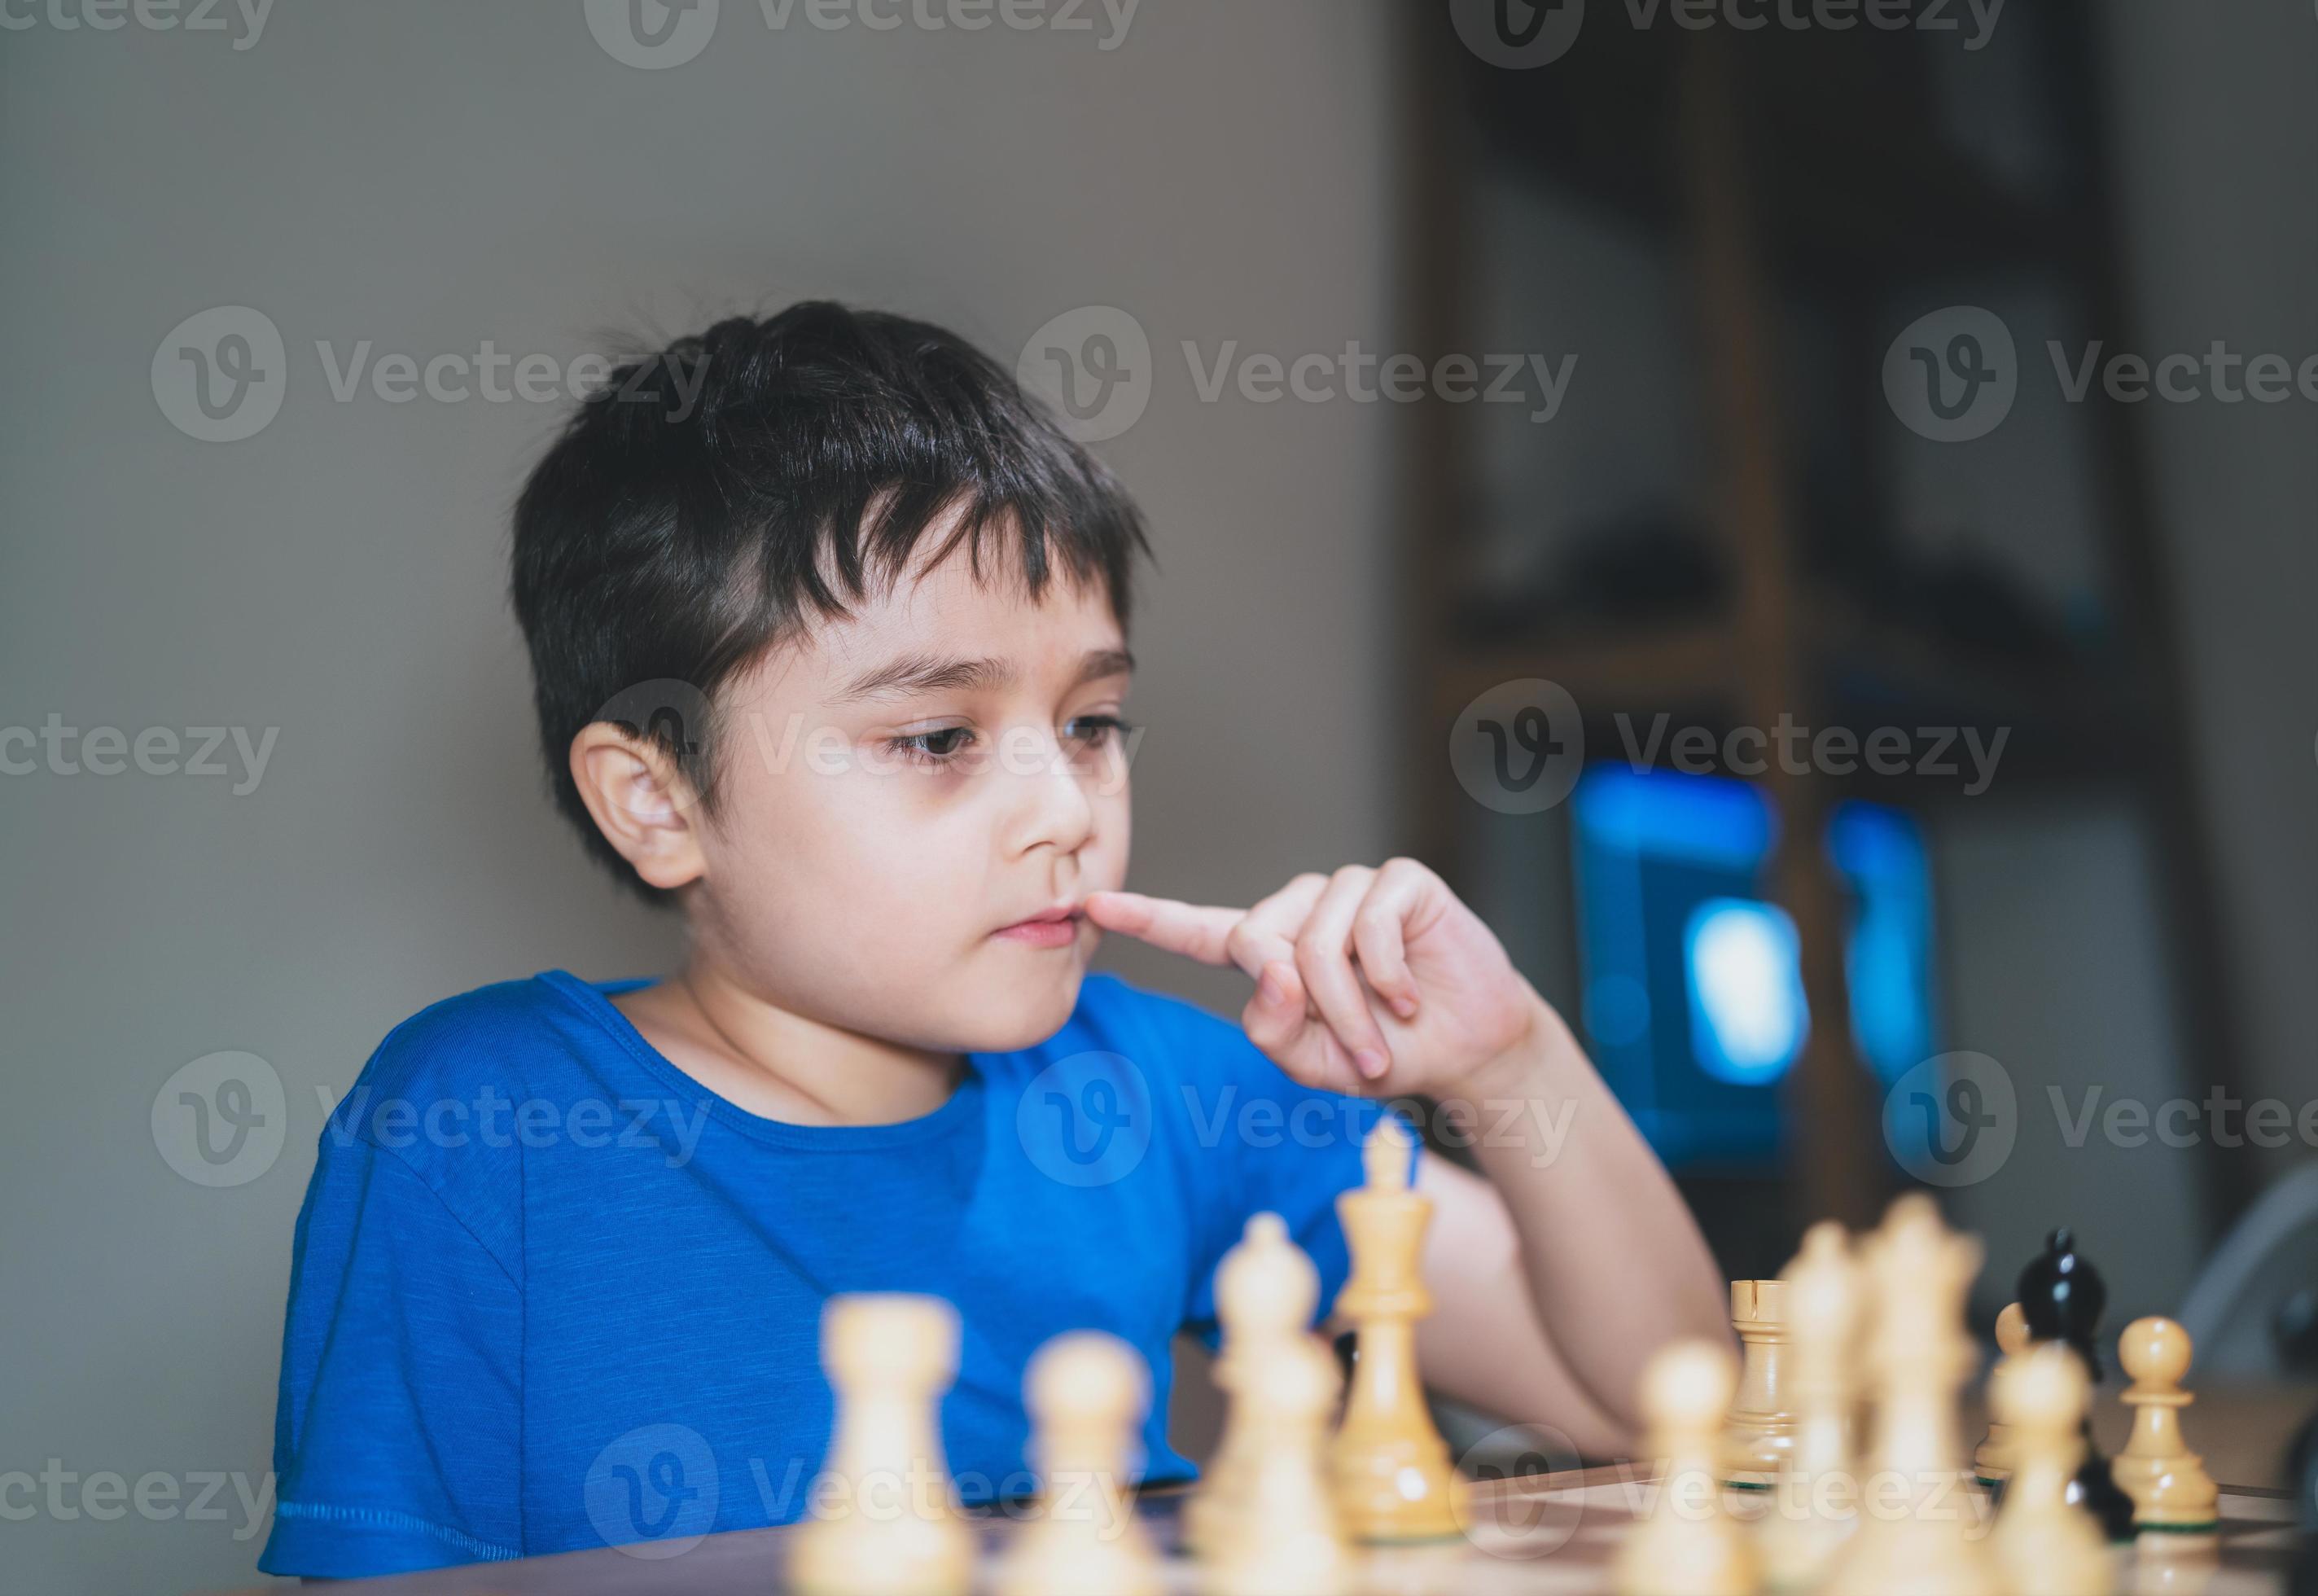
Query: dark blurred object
[2253, 1310]
[2062, 1295]
[2294, 1327]
[1965, 599]
[1974, 603]
[2304, 1581]
[1650, 567]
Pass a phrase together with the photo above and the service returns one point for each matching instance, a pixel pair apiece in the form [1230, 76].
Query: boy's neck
[781, 1065]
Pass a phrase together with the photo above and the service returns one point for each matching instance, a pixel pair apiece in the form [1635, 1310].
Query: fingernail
[1370, 1062]
[1404, 1006]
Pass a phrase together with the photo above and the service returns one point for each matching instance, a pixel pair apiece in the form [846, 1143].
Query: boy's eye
[935, 747]
[1093, 730]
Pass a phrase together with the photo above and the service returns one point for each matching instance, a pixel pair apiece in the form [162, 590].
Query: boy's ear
[641, 801]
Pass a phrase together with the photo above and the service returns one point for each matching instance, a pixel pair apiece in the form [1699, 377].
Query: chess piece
[2062, 1296]
[2171, 1492]
[2043, 1541]
[1918, 1355]
[1267, 1292]
[884, 1518]
[1814, 1507]
[1285, 1540]
[1087, 1393]
[1992, 1459]
[1760, 1431]
[1687, 1546]
[1393, 1478]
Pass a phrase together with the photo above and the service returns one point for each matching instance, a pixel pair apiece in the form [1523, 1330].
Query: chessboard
[1833, 1458]
[1535, 1535]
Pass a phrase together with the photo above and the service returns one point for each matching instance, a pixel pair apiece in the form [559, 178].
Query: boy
[830, 654]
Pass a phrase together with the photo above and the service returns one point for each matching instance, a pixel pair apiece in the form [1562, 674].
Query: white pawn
[1993, 1460]
[2172, 1494]
[1285, 1539]
[1687, 1546]
[1816, 1503]
[1087, 1392]
[884, 1518]
[1266, 1293]
[2043, 1542]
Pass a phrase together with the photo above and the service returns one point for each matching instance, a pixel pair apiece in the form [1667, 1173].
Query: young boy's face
[952, 770]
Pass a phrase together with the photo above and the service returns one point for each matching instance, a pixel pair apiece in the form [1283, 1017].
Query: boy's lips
[1055, 928]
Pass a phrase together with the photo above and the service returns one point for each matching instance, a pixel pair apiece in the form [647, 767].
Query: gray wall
[425, 176]
[2216, 132]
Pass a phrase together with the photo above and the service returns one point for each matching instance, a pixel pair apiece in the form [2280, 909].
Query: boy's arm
[1579, 1220]
[1556, 1278]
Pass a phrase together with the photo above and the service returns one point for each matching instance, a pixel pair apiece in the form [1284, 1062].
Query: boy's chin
[1016, 1010]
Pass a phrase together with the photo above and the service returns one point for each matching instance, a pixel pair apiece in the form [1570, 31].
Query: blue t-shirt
[550, 1293]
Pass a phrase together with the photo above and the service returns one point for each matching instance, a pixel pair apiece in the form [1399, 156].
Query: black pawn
[2062, 1297]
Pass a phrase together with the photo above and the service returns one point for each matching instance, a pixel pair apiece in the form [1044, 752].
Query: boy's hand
[1373, 982]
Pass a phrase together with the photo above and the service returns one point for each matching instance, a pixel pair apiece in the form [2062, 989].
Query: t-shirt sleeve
[1267, 1144]
[396, 1437]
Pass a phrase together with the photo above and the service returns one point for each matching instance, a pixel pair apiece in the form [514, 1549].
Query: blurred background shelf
[1726, 230]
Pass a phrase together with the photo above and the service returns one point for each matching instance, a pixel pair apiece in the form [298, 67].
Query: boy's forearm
[1615, 1263]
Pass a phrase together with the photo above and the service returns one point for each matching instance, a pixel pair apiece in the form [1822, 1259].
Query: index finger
[1193, 930]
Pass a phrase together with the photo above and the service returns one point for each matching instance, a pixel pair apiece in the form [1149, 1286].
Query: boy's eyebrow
[925, 673]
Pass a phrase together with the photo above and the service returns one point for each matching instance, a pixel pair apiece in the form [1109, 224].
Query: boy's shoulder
[509, 1036]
